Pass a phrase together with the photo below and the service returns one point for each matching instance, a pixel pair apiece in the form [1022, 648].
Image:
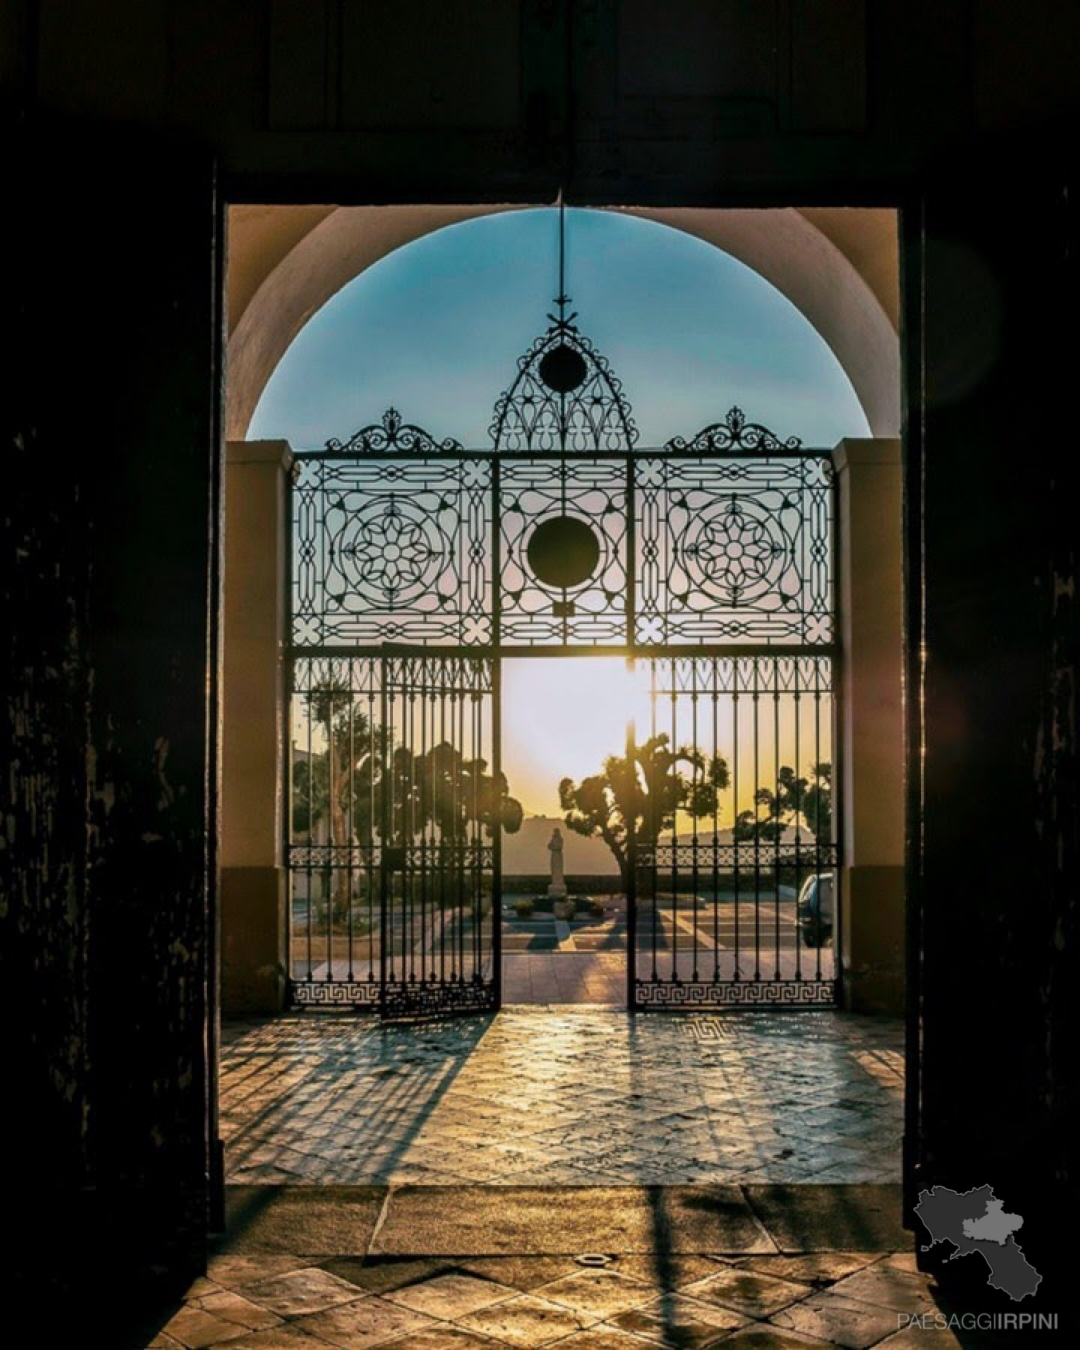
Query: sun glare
[562, 717]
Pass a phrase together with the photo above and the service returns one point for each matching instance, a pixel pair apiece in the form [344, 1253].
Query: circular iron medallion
[563, 369]
[563, 551]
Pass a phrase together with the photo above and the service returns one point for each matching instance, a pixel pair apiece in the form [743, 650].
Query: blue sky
[436, 328]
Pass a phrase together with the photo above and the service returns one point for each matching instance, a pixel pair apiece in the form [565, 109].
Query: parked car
[815, 909]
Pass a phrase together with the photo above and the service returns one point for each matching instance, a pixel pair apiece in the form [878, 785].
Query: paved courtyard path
[563, 1098]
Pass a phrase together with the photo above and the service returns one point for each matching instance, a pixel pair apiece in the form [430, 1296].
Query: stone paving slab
[311, 1220]
[618, 1299]
[831, 1218]
[489, 1221]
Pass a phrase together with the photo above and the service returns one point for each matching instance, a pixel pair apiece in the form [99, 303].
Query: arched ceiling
[838, 266]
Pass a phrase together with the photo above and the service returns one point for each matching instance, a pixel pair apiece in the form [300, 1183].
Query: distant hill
[526, 853]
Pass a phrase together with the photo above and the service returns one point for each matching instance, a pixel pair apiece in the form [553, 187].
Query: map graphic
[975, 1221]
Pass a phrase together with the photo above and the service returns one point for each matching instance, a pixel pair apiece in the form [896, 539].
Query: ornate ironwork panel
[734, 435]
[563, 572]
[735, 860]
[564, 399]
[394, 550]
[734, 550]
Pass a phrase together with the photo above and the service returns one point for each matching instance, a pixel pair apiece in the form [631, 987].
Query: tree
[341, 784]
[806, 801]
[451, 792]
[643, 791]
[351, 784]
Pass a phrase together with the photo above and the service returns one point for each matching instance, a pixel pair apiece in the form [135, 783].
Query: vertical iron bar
[421, 829]
[311, 822]
[496, 722]
[439, 810]
[408, 878]
[631, 553]
[456, 756]
[462, 810]
[695, 785]
[674, 829]
[776, 792]
[496, 843]
[374, 769]
[735, 841]
[757, 827]
[332, 865]
[817, 811]
[386, 752]
[352, 667]
[654, 866]
[476, 827]
[715, 693]
[631, 874]
[801, 816]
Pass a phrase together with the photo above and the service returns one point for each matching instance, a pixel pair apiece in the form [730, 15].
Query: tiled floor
[562, 977]
[770, 1302]
[564, 1098]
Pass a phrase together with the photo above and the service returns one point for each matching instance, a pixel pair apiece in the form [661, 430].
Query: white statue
[557, 889]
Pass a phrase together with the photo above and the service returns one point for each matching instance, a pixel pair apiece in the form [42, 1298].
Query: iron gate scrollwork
[418, 565]
[391, 542]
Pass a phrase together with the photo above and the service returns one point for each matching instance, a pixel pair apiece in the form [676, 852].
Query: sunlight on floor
[564, 1098]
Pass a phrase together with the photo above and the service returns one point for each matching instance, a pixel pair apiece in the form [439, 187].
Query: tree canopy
[643, 791]
[795, 801]
[346, 784]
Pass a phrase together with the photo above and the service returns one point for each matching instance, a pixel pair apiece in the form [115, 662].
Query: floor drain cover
[593, 1259]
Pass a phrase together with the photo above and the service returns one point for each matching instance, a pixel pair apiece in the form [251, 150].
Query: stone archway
[838, 266]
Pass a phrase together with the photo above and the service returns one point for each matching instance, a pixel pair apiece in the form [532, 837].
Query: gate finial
[735, 433]
[392, 433]
[565, 397]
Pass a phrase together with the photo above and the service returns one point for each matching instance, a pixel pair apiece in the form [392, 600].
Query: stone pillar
[871, 785]
[253, 917]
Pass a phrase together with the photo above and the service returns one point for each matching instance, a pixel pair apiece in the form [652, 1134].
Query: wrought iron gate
[394, 834]
[417, 566]
[715, 906]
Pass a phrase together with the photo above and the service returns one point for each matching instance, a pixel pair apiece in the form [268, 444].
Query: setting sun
[563, 717]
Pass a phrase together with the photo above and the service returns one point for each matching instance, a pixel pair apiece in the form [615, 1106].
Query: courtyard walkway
[601, 1182]
[563, 1098]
